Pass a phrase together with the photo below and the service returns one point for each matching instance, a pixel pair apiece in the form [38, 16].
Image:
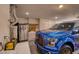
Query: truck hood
[54, 33]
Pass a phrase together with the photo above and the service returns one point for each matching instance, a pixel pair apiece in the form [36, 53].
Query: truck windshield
[62, 26]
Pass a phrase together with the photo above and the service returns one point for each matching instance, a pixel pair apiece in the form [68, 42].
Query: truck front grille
[40, 40]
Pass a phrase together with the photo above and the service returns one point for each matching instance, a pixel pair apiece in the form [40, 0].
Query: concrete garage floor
[33, 48]
[21, 48]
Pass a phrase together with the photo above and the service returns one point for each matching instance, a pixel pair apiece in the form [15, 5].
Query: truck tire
[38, 50]
[65, 49]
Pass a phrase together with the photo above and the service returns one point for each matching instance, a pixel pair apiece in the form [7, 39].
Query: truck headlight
[52, 42]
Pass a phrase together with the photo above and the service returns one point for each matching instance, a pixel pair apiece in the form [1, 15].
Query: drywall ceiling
[46, 10]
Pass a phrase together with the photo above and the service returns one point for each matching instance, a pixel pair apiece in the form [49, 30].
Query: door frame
[18, 31]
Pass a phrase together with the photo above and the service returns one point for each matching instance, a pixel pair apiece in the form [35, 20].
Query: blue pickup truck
[62, 38]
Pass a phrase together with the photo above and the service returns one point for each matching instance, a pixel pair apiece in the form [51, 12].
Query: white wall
[46, 23]
[23, 20]
[4, 24]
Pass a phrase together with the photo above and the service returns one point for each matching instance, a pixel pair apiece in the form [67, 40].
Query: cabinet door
[23, 33]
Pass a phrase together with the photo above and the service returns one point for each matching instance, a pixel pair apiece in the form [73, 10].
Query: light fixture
[56, 17]
[27, 13]
[60, 6]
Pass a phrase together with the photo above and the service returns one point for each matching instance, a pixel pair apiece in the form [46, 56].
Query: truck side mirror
[75, 31]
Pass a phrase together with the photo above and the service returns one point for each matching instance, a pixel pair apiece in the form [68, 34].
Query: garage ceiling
[46, 10]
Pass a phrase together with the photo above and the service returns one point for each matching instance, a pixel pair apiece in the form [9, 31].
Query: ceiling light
[27, 13]
[56, 17]
[60, 6]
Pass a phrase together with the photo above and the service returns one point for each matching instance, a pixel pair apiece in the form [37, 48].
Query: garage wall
[4, 24]
[46, 23]
[23, 20]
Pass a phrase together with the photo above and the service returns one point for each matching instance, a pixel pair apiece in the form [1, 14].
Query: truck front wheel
[66, 49]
